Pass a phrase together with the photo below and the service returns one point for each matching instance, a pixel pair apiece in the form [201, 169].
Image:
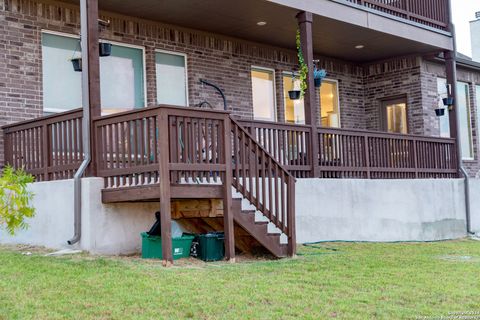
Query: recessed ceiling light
[360, 46]
[261, 23]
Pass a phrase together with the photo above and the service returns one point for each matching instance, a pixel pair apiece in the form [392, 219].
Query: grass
[328, 281]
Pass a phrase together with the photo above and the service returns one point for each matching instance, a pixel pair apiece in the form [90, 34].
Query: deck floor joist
[150, 193]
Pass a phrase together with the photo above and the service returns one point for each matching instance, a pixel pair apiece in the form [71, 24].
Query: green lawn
[332, 280]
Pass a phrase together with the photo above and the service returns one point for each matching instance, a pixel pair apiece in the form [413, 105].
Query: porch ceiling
[239, 19]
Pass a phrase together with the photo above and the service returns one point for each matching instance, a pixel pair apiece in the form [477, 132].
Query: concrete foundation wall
[106, 228]
[351, 210]
[475, 205]
[380, 210]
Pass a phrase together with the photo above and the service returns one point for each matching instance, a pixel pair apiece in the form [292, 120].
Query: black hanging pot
[294, 94]
[440, 112]
[105, 49]
[447, 101]
[318, 82]
[77, 64]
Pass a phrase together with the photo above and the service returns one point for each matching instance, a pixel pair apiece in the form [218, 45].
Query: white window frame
[469, 113]
[258, 68]
[440, 103]
[338, 100]
[120, 44]
[185, 56]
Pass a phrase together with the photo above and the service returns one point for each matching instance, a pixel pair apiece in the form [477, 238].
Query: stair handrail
[265, 174]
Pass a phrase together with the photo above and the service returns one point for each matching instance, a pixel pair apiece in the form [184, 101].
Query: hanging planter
[104, 49]
[447, 101]
[294, 94]
[440, 112]
[318, 76]
[77, 61]
[303, 72]
[77, 64]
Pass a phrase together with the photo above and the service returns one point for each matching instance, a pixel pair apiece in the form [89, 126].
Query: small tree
[15, 199]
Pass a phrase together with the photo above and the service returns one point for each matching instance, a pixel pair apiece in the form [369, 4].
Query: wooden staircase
[269, 189]
[258, 230]
[179, 153]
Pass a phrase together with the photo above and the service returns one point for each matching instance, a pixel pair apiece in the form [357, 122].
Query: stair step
[261, 230]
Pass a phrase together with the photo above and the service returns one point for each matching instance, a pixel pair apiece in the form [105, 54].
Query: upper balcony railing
[432, 13]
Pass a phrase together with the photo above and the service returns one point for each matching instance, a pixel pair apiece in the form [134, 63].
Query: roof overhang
[337, 28]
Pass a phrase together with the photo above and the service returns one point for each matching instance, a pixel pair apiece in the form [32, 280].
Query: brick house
[388, 65]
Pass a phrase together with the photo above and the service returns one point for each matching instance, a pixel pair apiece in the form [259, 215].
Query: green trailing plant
[15, 199]
[303, 68]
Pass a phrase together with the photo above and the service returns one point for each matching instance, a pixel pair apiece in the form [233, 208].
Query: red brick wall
[390, 79]
[223, 60]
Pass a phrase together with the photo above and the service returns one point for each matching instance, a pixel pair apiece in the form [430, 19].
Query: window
[263, 94]
[62, 87]
[330, 110]
[171, 79]
[122, 76]
[294, 109]
[444, 121]
[122, 79]
[395, 116]
[465, 130]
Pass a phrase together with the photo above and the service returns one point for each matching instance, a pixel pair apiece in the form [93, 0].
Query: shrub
[15, 199]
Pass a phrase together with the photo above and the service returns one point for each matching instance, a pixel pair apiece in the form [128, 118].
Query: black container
[294, 94]
[447, 101]
[77, 64]
[104, 49]
[209, 247]
[318, 82]
[440, 112]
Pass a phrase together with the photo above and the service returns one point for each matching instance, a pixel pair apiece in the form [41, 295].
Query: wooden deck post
[292, 237]
[305, 20]
[89, 40]
[164, 176]
[227, 196]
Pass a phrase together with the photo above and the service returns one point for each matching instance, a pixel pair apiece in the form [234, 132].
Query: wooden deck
[165, 153]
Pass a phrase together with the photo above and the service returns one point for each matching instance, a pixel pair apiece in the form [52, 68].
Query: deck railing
[50, 148]
[342, 153]
[128, 146]
[433, 13]
[262, 180]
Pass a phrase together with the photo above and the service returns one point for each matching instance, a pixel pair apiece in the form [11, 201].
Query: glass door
[394, 114]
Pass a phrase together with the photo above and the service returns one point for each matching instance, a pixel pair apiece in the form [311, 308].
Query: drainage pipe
[203, 81]
[77, 179]
[467, 200]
